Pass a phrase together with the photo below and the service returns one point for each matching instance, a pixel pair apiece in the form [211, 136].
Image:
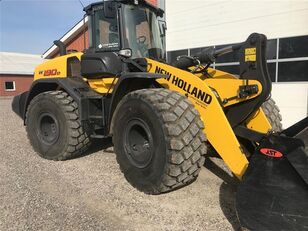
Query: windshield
[142, 33]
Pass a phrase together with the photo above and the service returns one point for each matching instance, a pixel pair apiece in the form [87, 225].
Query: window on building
[291, 59]
[195, 51]
[293, 47]
[271, 49]
[9, 85]
[172, 55]
[272, 71]
[293, 71]
[229, 57]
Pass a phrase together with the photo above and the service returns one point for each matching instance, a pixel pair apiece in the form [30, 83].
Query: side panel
[91, 105]
[258, 122]
[103, 85]
[77, 88]
[217, 127]
[54, 68]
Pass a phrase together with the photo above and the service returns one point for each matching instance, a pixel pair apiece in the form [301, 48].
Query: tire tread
[272, 113]
[78, 141]
[185, 139]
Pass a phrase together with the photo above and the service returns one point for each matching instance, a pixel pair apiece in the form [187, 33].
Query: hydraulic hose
[184, 62]
[207, 56]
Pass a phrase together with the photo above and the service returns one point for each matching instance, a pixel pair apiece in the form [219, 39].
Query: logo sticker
[50, 72]
[194, 91]
[271, 152]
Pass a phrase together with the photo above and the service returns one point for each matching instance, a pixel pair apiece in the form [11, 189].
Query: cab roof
[145, 3]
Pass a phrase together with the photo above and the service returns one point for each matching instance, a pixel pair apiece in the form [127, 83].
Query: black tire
[53, 126]
[158, 139]
[271, 111]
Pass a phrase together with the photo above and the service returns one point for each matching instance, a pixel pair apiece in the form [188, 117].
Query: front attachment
[274, 192]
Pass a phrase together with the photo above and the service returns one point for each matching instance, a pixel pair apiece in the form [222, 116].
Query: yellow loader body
[203, 94]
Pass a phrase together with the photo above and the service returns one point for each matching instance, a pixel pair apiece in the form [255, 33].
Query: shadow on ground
[227, 192]
[98, 145]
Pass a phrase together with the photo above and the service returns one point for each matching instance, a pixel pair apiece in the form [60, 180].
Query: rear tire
[158, 139]
[53, 126]
[271, 111]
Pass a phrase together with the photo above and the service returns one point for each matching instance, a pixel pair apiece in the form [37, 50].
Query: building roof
[67, 37]
[18, 64]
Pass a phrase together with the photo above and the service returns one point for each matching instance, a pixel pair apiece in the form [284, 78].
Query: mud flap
[274, 192]
[19, 103]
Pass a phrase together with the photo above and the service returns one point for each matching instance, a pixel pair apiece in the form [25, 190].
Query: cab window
[106, 32]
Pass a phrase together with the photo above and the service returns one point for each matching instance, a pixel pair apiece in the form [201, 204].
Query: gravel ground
[90, 193]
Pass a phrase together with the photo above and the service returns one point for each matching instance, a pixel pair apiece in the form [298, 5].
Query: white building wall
[199, 23]
[292, 99]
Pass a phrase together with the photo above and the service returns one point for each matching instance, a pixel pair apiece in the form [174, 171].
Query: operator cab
[119, 30]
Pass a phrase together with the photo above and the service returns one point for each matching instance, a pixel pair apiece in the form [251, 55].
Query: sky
[31, 26]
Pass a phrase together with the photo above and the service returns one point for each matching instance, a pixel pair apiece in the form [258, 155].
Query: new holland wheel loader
[163, 117]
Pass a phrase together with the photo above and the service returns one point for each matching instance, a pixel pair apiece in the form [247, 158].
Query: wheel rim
[48, 129]
[138, 143]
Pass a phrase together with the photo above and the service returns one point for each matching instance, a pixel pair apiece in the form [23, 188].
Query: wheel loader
[163, 118]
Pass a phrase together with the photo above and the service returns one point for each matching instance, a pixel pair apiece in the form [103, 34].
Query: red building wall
[78, 42]
[22, 84]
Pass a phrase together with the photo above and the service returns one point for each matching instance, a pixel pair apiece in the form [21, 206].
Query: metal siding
[18, 63]
[202, 23]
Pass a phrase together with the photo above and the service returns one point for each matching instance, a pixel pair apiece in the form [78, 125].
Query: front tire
[53, 126]
[158, 139]
[272, 113]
